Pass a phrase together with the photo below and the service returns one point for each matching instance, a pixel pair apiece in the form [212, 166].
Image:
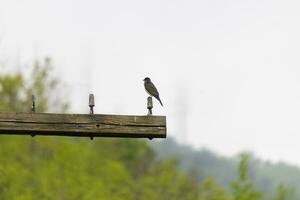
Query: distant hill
[265, 175]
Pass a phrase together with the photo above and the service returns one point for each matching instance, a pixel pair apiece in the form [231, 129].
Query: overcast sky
[227, 71]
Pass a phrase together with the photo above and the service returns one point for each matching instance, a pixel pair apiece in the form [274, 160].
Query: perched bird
[151, 89]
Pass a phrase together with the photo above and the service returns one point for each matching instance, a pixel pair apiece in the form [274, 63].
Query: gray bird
[151, 89]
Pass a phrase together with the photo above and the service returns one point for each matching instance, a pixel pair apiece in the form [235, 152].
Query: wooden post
[83, 125]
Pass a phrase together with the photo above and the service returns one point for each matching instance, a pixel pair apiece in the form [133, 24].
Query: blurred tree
[210, 190]
[284, 193]
[16, 91]
[163, 181]
[45, 86]
[11, 88]
[242, 188]
[18, 155]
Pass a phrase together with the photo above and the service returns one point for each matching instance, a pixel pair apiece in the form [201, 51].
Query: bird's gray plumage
[151, 89]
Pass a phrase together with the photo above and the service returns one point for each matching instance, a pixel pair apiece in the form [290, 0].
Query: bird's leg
[149, 105]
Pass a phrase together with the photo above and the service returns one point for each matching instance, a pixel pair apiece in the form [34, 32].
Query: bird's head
[147, 79]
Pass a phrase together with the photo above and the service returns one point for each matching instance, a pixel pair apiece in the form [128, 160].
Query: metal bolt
[33, 103]
[91, 103]
[149, 105]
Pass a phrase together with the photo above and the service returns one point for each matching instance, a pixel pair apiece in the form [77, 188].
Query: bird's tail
[160, 102]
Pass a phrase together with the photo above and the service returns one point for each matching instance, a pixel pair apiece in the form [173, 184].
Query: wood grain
[83, 125]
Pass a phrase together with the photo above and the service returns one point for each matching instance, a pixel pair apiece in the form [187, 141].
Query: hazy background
[227, 71]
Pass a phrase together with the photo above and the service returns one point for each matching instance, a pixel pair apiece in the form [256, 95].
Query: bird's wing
[151, 89]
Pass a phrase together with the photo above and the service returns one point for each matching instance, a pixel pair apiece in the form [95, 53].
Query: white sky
[231, 66]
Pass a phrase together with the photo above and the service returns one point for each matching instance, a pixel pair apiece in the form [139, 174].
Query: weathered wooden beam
[83, 125]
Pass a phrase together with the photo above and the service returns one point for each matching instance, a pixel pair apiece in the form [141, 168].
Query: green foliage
[243, 188]
[284, 193]
[46, 87]
[51, 168]
[11, 90]
[203, 163]
[16, 90]
[163, 181]
[210, 190]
